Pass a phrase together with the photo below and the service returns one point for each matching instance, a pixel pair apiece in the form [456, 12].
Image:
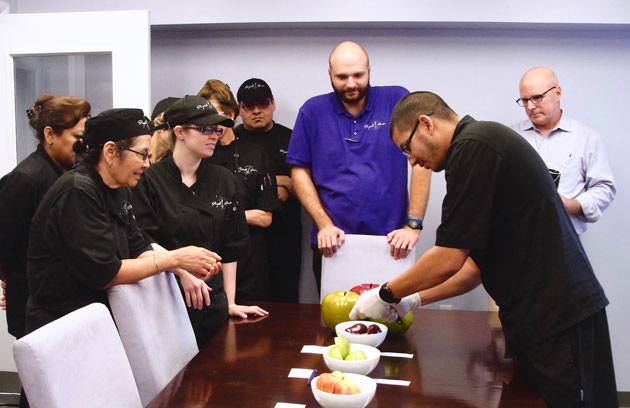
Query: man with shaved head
[346, 171]
[586, 183]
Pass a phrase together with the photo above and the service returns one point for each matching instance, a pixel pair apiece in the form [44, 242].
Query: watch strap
[386, 295]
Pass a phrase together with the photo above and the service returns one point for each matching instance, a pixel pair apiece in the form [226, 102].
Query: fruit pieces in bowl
[365, 385]
[337, 383]
[370, 337]
[360, 358]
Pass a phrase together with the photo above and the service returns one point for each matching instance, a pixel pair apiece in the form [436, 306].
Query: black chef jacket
[79, 235]
[502, 204]
[20, 193]
[207, 214]
[254, 171]
[285, 232]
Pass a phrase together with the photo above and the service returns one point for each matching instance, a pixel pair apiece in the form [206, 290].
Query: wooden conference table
[457, 362]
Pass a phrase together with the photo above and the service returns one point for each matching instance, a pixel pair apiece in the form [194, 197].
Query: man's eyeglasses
[405, 148]
[251, 105]
[536, 99]
[206, 130]
[145, 156]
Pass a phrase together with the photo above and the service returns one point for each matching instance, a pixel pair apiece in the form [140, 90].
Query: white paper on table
[301, 373]
[313, 349]
[362, 259]
[289, 405]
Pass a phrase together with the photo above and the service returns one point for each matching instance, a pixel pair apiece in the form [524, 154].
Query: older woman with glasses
[84, 237]
[186, 200]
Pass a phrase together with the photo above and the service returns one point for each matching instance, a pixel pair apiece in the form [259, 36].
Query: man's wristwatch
[386, 294]
[414, 222]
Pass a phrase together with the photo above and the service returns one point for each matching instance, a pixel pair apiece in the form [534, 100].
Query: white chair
[155, 330]
[76, 361]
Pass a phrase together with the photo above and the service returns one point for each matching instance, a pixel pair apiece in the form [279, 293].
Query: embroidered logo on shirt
[374, 125]
[221, 203]
[204, 106]
[283, 152]
[247, 170]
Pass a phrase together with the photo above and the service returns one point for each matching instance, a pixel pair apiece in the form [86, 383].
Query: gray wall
[472, 55]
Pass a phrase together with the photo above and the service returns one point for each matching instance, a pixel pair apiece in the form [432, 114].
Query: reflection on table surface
[458, 362]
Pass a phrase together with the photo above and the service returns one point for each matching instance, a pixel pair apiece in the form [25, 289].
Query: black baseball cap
[253, 88]
[162, 106]
[115, 124]
[196, 110]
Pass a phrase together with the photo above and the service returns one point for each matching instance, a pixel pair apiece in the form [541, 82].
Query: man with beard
[346, 171]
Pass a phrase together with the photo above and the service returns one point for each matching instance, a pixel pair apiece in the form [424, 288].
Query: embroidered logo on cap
[204, 106]
[255, 85]
[143, 123]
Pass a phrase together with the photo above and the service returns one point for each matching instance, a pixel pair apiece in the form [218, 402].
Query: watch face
[413, 224]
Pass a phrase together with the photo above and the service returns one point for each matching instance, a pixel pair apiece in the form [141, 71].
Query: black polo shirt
[501, 204]
[20, 193]
[79, 235]
[253, 169]
[285, 233]
[275, 142]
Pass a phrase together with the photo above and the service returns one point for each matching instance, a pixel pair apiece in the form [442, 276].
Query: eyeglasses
[536, 99]
[405, 148]
[251, 105]
[145, 156]
[206, 130]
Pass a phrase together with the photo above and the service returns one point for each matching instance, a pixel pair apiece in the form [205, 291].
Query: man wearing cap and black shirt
[257, 105]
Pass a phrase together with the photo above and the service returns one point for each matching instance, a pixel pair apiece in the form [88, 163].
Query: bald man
[586, 183]
[346, 171]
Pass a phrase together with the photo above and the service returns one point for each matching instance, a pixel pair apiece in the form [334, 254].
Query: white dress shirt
[576, 151]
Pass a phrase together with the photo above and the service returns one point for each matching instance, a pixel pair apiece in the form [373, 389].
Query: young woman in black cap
[57, 122]
[84, 237]
[186, 200]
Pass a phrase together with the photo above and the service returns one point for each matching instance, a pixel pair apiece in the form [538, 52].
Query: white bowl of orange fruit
[343, 390]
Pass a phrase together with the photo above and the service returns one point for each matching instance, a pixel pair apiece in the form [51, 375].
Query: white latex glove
[369, 304]
[408, 303]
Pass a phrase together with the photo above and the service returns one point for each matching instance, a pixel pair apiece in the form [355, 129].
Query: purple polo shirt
[359, 173]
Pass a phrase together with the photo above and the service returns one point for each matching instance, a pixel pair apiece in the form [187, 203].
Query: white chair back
[155, 330]
[76, 361]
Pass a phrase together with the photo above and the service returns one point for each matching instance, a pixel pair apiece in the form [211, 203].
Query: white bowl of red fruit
[362, 332]
[343, 390]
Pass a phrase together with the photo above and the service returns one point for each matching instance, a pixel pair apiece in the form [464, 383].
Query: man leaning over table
[503, 222]
[586, 183]
[346, 171]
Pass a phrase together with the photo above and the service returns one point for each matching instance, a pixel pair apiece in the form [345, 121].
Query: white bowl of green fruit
[351, 358]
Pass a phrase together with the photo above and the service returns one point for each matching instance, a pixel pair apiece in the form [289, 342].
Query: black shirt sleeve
[18, 202]
[472, 171]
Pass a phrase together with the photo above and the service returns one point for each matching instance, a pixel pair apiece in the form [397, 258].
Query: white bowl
[373, 340]
[328, 400]
[355, 366]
